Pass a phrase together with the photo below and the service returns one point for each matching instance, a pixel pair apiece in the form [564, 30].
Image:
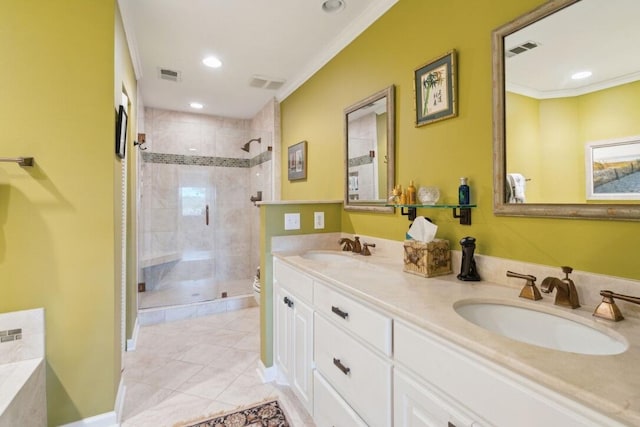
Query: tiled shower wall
[191, 161]
[363, 169]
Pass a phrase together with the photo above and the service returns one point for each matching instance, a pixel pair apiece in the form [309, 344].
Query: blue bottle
[463, 192]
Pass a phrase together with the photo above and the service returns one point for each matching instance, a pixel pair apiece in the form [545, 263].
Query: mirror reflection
[369, 134]
[566, 78]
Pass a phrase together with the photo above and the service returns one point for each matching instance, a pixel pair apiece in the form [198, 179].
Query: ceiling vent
[521, 48]
[262, 82]
[171, 75]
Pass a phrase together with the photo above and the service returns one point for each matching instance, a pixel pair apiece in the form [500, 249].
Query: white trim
[568, 93]
[349, 34]
[130, 35]
[267, 375]
[120, 397]
[131, 343]
[108, 419]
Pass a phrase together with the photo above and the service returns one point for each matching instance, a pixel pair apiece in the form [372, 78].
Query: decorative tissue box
[427, 259]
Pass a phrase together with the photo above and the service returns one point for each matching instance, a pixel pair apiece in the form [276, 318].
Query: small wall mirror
[370, 152]
[566, 79]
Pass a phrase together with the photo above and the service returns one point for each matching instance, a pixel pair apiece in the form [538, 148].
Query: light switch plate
[292, 221]
[318, 220]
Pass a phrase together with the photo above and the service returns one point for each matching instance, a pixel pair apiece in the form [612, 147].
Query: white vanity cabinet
[463, 389]
[293, 324]
[352, 343]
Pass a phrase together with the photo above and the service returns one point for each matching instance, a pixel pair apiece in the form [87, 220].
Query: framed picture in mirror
[435, 89]
[121, 132]
[613, 169]
[297, 163]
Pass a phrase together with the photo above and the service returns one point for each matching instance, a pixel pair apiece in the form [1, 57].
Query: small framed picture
[435, 89]
[121, 132]
[298, 161]
[613, 169]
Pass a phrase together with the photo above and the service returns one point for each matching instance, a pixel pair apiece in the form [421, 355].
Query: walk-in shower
[199, 227]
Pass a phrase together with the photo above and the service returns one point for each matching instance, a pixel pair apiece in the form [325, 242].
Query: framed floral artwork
[436, 89]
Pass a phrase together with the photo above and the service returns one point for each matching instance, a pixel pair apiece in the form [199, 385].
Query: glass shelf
[463, 212]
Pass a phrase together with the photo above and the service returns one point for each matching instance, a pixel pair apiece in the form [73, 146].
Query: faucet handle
[530, 290]
[608, 309]
[365, 248]
[566, 270]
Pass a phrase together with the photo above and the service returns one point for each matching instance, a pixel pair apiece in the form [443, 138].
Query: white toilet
[256, 286]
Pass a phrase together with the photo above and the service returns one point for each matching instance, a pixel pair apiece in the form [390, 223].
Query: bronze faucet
[608, 309]
[529, 291]
[357, 247]
[365, 248]
[348, 244]
[566, 293]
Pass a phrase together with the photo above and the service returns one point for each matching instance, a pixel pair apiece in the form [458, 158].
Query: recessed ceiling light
[581, 75]
[212, 61]
[196, 105]
[332, 6]
[192, 149]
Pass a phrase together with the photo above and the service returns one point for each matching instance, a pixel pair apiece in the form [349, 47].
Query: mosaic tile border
[10, 335]
[225, 162]
[361, 160]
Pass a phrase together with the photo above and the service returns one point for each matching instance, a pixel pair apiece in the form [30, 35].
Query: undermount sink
[328, 256]
[541, 329]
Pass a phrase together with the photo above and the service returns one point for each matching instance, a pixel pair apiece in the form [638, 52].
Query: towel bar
[22, 161]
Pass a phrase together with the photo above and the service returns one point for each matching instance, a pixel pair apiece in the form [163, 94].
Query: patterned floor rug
[266, 414]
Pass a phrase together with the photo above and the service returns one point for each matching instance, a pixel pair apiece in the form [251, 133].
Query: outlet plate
[292, 221]
[318, 220]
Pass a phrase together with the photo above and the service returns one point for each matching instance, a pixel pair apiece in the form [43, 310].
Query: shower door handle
[206, 215]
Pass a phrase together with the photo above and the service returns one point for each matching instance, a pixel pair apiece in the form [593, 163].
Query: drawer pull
[288, 302]
[339, 312]
[340, 366]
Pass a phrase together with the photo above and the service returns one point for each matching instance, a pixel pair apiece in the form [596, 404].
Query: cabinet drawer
[330, 409]
[358, 374]
[362, 321]
[295, 281]
[417, 404]
[497, 395]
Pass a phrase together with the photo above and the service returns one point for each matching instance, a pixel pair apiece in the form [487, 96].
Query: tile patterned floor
[198, 367]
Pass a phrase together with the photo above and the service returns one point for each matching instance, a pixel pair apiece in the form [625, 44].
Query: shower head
[245, 147]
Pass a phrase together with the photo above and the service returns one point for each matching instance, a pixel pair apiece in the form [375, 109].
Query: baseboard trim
[119, 405]
[131, 343]
[267, 375]
[108, 419]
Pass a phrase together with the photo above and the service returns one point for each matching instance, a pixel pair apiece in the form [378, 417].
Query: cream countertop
[609, 384]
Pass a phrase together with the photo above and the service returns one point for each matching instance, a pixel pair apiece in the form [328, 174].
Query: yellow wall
[57, 228]
[272, 225]
[407, 36]
[551, 135]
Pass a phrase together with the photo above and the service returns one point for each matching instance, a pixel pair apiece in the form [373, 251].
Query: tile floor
[192, 368]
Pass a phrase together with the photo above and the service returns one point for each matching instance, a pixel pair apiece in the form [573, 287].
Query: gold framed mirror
[544, 120]
[369, 131]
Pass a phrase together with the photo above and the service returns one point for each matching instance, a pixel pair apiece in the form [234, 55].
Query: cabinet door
[283, 338]
[418, 405]
[301, 379]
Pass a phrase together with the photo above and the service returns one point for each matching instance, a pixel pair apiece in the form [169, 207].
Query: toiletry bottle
[463, 192]
[411, 194]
